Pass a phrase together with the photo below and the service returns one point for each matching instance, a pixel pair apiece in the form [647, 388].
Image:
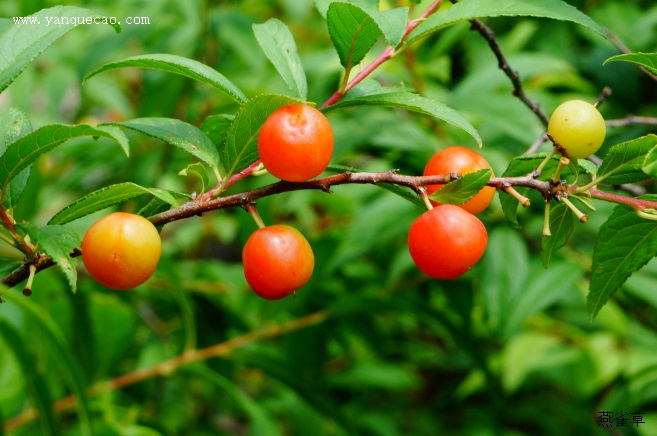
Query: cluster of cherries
[295, 144]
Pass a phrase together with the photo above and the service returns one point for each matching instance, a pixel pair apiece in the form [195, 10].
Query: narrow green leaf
[37, 388]
[353, 32]
[178, 65]
[277, 42]
[216, 128]
[241, 148]
[470, 9]
[14, 124]
[118, 136]
[402, 191]
[106, 197]
[198, 170]
[411, 102]
[22, 43]
[625, 243]
[260, 422]
[57, 242]
[61, 353]
[26, 150]
[462, 189]
[562, 224]
[645, 60]
[624, 162]
[177, 133]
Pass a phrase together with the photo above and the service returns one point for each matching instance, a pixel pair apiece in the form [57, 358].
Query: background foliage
[508, 348]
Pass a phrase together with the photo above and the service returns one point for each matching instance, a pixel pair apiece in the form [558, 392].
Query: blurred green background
[507, 349]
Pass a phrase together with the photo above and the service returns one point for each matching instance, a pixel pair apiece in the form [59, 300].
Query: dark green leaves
[57, 242]
[22, 43]
[562, 225]
[630, 161]
[241, 148]
[178, 65]
[412, 102]
[645, 60]
[470, 9]
[26, 150]
[462, 189]
[177, 133]
[277, 42]
[106, 197]
[625, 243]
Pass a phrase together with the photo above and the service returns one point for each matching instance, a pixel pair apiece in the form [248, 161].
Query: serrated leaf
[624, 162]
[178, 65]
[646, 60]
[278, 44]
[60, 352]
[411, 102]
[36, 386]
[402, 191]
[471, 9]
[106, 197]
[14, 124]
[323, 5]
[241, 148]
[26, 150]
[625, 243]
[22, 43]
[216, 128]
[562, 224]
[462, 189]
[353, 32]
[118, 136]
[177, 133]
[57, 242]
[198, 170]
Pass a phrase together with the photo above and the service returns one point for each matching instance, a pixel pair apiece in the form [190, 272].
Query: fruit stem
[517, 195]
[581, 216]
[563, 162]
[425, 197]
[547, 159]
[251, 208]
[27, 291]
[546, 220]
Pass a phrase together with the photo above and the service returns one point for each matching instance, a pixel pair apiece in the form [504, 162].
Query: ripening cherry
[121, 250]
[446, 241]
[296, 143]
[457, 159]
[278, 260]
[578, 127]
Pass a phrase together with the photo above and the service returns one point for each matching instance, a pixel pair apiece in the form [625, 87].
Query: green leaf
[353, 32]
[61, 353]
[118, 136]
[106, 197]
[177, 133]
[260, 422]
[412, 102]
[624, 162]
[402, 191]
[393, 24]
[562, 225]
[646, 60]
[277, 42]
[197, 169]
[157, 205]
[241, 148]
[471, 9]
[57, 242]
[625, 243]
[26, 150]
[14, 124]
[37, 388]
[462, 189]
[216, 128]
[22, 43]
[178, 65]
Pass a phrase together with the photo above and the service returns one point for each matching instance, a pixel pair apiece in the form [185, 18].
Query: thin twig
[631, 119]
[625, 50]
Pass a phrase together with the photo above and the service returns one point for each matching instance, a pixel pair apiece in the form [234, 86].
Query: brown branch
[168, 366]
[503, 64]
[197, 207]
